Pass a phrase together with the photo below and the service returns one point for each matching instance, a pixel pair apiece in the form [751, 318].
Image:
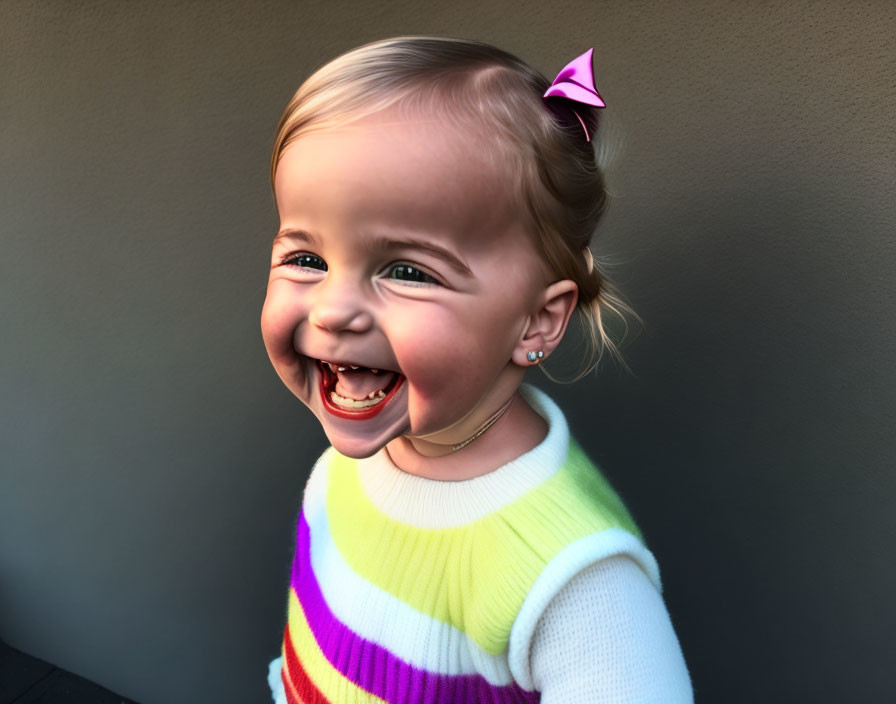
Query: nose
[339, 306]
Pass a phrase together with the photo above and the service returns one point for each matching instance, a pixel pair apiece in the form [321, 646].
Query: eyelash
[302, 255]
[297, 256]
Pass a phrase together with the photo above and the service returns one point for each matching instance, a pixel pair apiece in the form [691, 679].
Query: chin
[356, 449]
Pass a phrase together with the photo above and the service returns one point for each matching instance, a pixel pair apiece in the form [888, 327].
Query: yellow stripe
[474, 576]
[331, 683]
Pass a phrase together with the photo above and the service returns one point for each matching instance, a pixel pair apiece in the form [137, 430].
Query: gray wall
[152, 463]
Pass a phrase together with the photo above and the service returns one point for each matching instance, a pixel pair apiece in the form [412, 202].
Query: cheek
[278, 324]
[429, 351]
[428, 368]
[445, 356]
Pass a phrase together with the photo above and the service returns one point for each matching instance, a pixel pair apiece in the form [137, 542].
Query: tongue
[358, 384]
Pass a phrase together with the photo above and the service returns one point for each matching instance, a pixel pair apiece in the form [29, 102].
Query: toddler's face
[399, 251]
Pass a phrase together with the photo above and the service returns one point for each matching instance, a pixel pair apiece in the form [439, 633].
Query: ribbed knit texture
[410, 590]
[607, 638]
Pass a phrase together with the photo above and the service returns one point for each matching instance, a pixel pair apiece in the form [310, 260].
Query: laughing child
[437, 198]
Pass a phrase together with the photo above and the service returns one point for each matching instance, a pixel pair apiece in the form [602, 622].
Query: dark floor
[27, 680]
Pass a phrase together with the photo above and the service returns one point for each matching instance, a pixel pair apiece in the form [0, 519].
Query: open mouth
[356, 392]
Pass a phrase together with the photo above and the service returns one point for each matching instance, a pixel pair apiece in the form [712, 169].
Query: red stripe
[301, 690]
[291, 697]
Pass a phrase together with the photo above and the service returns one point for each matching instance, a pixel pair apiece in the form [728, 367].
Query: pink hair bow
[575, 83]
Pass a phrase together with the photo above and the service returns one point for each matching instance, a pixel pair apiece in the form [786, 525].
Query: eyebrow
[429, 247]
[295, 235]
[391, 243]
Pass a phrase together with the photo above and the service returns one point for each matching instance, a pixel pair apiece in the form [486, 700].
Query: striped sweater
[406, 589]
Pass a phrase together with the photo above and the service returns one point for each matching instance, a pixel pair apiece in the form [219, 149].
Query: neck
[429, 448]
[512, 430]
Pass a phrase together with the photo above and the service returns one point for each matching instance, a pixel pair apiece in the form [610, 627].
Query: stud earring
[533, 356]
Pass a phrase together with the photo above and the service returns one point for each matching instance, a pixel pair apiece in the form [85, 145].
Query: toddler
[454, 544]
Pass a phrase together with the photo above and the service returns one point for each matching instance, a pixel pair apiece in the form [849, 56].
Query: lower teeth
[352, 403]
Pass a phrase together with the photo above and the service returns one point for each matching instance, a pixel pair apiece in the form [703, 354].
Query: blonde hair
[554, 169]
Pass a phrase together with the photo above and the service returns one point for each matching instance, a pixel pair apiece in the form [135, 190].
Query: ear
[547, 325]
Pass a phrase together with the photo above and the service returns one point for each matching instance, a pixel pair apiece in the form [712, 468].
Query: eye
[305, 261]
[406, 272]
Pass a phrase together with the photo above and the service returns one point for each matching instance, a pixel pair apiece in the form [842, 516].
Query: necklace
[485, 426]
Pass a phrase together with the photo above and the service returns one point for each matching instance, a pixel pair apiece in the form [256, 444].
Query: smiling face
[399, 250]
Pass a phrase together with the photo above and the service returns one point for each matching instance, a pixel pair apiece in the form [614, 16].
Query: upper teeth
[343, 367]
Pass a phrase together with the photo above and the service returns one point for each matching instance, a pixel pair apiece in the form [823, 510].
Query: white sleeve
[275, 682]
[606, 638]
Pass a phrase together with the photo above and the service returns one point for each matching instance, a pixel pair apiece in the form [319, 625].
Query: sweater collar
[433, 503]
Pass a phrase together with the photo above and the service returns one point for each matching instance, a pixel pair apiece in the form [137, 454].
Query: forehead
[398, 172]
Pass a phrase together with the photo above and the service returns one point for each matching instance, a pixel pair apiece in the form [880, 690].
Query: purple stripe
[374, 668]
